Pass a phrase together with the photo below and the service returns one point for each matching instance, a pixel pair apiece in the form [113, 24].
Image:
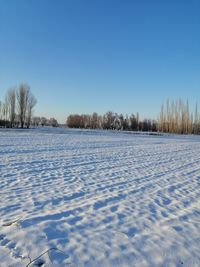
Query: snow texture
[98, 198]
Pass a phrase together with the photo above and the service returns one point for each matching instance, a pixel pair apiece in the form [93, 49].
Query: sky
[81, 56]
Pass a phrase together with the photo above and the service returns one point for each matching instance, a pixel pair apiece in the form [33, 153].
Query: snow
[98, 198]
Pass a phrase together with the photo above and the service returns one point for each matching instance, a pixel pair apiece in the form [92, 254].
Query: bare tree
[108, 119]
[36, 121]
[137, 120]
[1, 107]
[133, 122]
[117, 122]
[23, 95]
[161, 118]
[94, 120]
[196, 120]
[43, 121]
[11, 100]
[1, 114]
[30, 105]
[53, 122]
[5, 111]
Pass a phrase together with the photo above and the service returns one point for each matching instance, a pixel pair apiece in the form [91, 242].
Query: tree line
[174, 117]
[17, 108]
[111, 120]
[43, 121]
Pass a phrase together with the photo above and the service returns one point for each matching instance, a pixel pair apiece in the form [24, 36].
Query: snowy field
[97, 199]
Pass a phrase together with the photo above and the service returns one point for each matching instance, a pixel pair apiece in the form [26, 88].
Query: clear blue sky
[99, 55]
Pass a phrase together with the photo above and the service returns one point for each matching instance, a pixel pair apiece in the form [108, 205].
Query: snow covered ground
[93, 198]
